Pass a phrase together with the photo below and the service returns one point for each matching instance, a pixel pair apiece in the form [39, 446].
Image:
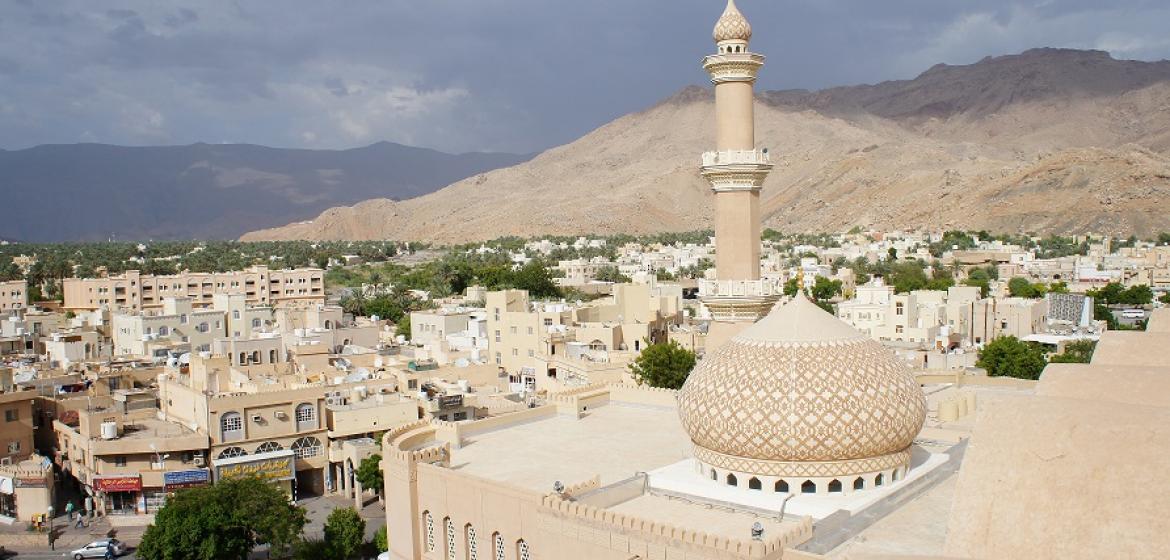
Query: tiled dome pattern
[808, 401]
[732, 26]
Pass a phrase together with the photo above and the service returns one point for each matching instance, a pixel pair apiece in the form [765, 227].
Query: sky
[472, 75]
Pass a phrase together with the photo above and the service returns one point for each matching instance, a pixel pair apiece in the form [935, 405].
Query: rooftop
[614, 441]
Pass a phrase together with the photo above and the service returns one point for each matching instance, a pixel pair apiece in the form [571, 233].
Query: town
[131, 386]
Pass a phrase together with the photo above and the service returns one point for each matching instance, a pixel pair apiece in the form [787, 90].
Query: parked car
[97, 549]
[1133, 314]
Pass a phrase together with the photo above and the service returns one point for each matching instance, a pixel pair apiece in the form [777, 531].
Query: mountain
[93, 191]
[1047, 141]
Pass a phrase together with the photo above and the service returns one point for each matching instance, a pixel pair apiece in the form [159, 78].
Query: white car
[97, 549]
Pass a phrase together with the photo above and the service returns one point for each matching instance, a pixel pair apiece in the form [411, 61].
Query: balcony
[739, 288]
[736, 157]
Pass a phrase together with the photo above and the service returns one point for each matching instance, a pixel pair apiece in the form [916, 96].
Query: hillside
[1047, 141]
[93, 191]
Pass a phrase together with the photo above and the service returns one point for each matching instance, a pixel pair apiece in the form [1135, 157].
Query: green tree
[380, 541]
[402, 327]
[369, 473]
[611, 274]
[907, 277]
[791, 287]
[1021, 287]
[824, 289]
[665, 365]
[1140, 294]
[535, 278]
[1079, 352]
[344, 533]
[226, 520]
[1008, 356]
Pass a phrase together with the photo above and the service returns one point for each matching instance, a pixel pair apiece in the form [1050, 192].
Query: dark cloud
[515, 75]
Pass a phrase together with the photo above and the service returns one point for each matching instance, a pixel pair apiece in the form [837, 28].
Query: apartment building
[13, 295]
[16, 426]
[178, 327]
[259, 286]
[287, 427]
[518, 329]
[123, 456]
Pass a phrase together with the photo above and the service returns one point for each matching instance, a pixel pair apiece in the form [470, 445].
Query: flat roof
[715, 521]
[614, 441]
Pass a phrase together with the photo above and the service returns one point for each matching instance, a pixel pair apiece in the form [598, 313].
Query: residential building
[134, 291]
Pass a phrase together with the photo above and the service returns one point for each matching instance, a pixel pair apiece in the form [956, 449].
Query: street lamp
[52, 544]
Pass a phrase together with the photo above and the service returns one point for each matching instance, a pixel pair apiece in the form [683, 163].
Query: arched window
[449, 528]
[497, 546]
[231, 426]
[897, 475]
[809, 487]
[243, 358]
[781, 486]
[714, 475]
[232, 452]
[255, 356]
[522, 550]
[835, 486]
[328, 325]
[272, 356]
[597, 345]
[429, 527]
[268, 447]
[859, 483]
[306, 415]
[880, 480]
[731, 480]
[306, 447]
[754, 484]
[470, 546]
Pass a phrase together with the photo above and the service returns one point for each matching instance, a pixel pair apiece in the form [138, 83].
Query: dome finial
[732, 26]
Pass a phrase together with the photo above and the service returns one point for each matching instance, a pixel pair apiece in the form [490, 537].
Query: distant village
[134, 385]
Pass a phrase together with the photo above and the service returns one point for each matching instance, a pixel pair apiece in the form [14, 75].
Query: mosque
[796, 437]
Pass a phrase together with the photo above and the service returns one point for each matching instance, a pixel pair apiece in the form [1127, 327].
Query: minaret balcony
[733, 67]
[740, 288]
[736, 157]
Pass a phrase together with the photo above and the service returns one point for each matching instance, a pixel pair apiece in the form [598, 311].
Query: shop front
[120, 494]
[173, 481]
[277, 467]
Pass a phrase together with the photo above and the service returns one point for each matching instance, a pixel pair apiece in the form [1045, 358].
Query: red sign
[118, 484]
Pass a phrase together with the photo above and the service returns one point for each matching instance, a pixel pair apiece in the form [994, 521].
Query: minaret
[736, 170]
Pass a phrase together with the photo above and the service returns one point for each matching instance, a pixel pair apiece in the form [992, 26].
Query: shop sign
[118, 483]
[277, 468]
[185, 479]
[31, 482]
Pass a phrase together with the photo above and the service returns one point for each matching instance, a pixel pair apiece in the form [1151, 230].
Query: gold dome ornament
[732, 26]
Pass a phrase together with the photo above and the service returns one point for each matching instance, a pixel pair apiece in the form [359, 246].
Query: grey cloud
[514, 75]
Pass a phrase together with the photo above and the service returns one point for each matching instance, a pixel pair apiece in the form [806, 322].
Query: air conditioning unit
[198, 461]
[257, 418]
[5, 461]
[280, 415]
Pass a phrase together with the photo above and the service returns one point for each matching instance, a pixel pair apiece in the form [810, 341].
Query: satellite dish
[765, 150]
[559, 487]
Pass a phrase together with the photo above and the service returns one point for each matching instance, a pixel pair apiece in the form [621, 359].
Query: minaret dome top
[732, 26]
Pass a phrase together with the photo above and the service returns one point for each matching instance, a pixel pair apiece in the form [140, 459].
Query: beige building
[134, 291]
[16, 426]
[13, 295]
[123, 455]
[176, 328]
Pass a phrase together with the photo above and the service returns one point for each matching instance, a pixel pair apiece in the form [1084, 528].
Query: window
[809, 487]
[163, 330]
[120, 461]
[236, 314]
[899, 309]
[231, 426]
[256, 323]
[306, 447]
[531, 353]
[835, 486]
[497, 336]
[781, 486]
[529, 330]
[269, 447]
[272, 356]
[232, 452]
[522, 550]
[255, 356]
[731, 480]
[449, 527]
[471, 546]
[859, 483]
[306, 415]
[429, 527]
[754, 484]
[515, 352]
[498, 546]
[11, 415]
[203, 327]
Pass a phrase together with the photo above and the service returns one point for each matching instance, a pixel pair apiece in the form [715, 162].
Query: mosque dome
[732, 26]
[801, 393]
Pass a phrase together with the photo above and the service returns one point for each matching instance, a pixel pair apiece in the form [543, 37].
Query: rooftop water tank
[109, 430]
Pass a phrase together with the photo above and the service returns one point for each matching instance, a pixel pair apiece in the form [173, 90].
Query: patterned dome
[801, 386]
[732, 26]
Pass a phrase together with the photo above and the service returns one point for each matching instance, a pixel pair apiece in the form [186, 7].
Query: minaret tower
[736, 170]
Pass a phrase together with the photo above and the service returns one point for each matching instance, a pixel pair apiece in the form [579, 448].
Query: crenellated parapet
[623, 529]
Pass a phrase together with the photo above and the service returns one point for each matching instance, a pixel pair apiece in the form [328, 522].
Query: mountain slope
[1047, 141]
[92, 191]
